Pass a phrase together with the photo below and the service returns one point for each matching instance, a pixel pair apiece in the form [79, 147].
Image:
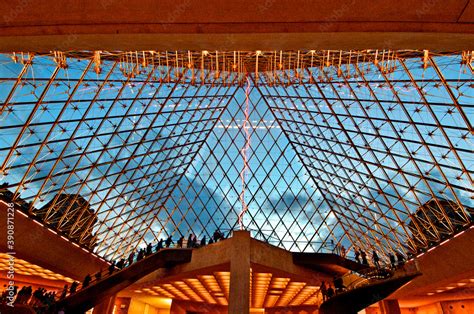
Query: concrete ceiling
[243, 24]
[447, 273]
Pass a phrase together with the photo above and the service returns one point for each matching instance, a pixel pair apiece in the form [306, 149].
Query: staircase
[370, 288]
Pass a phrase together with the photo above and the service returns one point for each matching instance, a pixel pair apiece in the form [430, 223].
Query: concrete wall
[443, 307]
[434, 308]
[122, 305]
[458, 307]
[139, 303]
[184, 307]
[139, 307]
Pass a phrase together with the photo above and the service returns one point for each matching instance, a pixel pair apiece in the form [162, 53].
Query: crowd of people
[38, 298]
[192, 242]
[395, 261]
[362, 258]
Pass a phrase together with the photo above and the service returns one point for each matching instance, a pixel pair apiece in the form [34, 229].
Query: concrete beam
[239, 291]
[217, 257]
[243, 24]
[36, 244]
[442, 266]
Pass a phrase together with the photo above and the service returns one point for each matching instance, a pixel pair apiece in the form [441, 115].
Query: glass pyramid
[341, 153]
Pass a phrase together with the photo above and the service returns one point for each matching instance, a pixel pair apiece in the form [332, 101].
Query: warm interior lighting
[25, 268]
[266, 290]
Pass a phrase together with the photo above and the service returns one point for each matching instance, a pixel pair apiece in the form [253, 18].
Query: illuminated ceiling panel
[22, 267]
[266, 290]
[118, 149]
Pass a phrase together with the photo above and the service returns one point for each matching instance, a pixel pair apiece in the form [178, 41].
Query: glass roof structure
[115, 150]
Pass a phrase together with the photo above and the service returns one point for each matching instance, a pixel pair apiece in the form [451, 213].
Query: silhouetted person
[130, 258]
[73, 287]
[19, 296]
[338, 284]
[211, 240]
[140, 255]
[400, 259]
[149, 249]
[36, 299]
[64, 292]
[24, 295]
[87, 281]
[216, 235]
[220, 236]
[159, 246]
[6, 292]
[343, 251]
[375, 259]
[179, 243]
[357, 255]
[194, 241]
[124, 261]
[111, 268]
[168, 241]
[364, 258]
[29, 292]
[391, 257]
[98, 275]
[203, 241]
[190, 241]
[330, 292]
[121, 263]
[324, 291]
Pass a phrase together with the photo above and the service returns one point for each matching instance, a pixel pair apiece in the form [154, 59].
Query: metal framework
[346, 146]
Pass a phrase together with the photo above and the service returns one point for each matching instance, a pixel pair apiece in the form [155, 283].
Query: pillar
[105, 307]
[389, 306]
[239, 292]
